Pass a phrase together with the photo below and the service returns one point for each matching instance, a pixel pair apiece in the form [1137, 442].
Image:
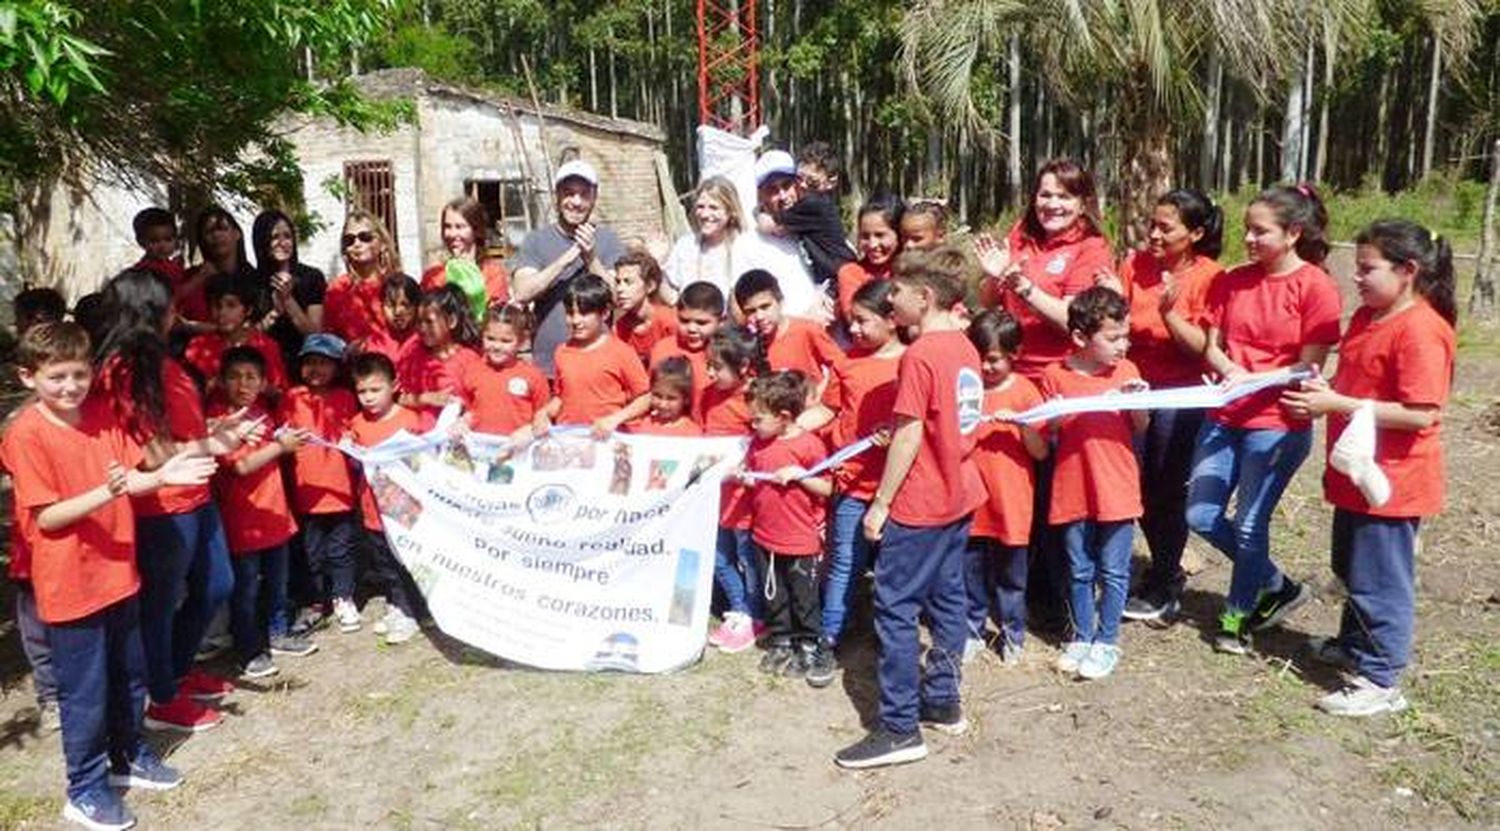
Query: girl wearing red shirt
[503, 393]
[879, 241]
[671, 411]
[1168, 284]
[1398, 356]
[352, 305]
[1277, 311]
[432, 366]
[484, 282]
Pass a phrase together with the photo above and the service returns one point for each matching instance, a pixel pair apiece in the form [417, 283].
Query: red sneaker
[183, 714]
[204, 686]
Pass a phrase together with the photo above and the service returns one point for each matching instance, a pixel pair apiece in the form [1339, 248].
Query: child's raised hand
[235, 429]
[291, 439]
[185, 468]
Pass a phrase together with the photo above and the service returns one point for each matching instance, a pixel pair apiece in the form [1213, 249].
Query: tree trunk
[1260, 145]
[1013, 123]
[1320, 166]
[1482, 296]
[1226, 153]
[1434, 90]
[1291, 133]
[1147, 164]
[593, 80]
[1304, 145]
[1211, 120]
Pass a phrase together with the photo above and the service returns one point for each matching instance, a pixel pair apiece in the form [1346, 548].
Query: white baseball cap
[576, 168]
[774, 163]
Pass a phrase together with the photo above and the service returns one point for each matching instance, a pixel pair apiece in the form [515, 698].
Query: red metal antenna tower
[728, 60]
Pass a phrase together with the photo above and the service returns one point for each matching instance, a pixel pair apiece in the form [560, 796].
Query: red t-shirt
[1152, 349]
[697, 359]
[205, 353]
[503, 400]
[1406, 358]
[1006, 469]
[1061, 266]
[191, 302]
[649, 426]
[321, 477]
[787, 517]
[353, 310]
[386, 343]
[90, 564]
[1263, 323]
[1096, 476]
[19, 567]
[254, 506]
[939, 383]
[496, 282]
[659, 324]
[184, 422]
[852, 276]
[368, 432]
[861, 393]
[420, 370]
[806, 347]
[727, 413]
[597, 381]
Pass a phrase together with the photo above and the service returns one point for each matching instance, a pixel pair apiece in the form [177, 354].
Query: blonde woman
[352, 308]
[707, 254]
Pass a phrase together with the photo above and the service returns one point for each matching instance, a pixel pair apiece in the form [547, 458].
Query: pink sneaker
[735, 634]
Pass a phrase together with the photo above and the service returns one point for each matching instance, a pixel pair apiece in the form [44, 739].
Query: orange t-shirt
[368, 432]
[806, 347]
[420, 370]
[727, 413]
[697, 359]
[386, 343]
[322, 481]
[861, 392]
[938, 382]
[1152, 349]
[503, 400]
[1061, 266]
[1407, 358]
[1007, 470]
[205, 353]
[90, 564]
[496, 282]
[1096, 475]
[598, 380]
[184, 422]
[648, 426]
[254, 507]
[1264, 322]
[788, 518]
[659, 324]
[353, 310]
[852, 276]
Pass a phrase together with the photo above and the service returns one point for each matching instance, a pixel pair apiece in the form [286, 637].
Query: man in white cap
[780, 253]
[552, 256]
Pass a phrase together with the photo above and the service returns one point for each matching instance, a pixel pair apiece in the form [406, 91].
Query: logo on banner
[970, 395]
[550, 503]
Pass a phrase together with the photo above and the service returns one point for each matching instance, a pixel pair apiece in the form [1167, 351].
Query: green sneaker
[1234, 634]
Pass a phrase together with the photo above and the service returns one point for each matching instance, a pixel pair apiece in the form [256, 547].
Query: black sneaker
[1151, 607]
[776, 659]
[797, 666]
[1274, 607]
[944, 718]
[310, 620]
[821, 665]
[147, 772]
[881, 748]
[292, 645]
[261, 666]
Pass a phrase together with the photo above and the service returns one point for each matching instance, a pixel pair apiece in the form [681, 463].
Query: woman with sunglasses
[352, 307]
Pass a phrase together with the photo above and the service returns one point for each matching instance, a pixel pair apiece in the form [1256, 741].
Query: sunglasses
[362, 236]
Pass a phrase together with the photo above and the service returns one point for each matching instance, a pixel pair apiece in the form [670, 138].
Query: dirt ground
[433, 735]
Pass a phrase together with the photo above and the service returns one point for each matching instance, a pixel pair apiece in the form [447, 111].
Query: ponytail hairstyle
[1199, 213]
[515, 316]
[137, 308]
[451, 303]
[1078, 182]
[1402, 241]
[1299, 206]
[740, 350]
[891, 208]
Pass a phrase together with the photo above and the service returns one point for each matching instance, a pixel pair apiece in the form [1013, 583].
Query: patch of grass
[18, 810]
[308, 807]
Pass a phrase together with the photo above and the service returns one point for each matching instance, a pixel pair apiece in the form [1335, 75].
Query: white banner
[574, 555]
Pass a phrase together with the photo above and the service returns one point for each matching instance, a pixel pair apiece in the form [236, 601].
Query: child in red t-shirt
[504, 393]
[734, 359]
[431, 366]
[787, 510]
[323, 487]
[400, 297]
[231, 300]
[923, 225]
[1096, 491]
[671, 401]
[879, 241]
[257, 521]
[789, 343]
[600, 381]
[641, 321]
[71, 462]
[1004, 452]
[1397, 358]
[379, 418]
[156, 233]
[856, 404]
[700, 312]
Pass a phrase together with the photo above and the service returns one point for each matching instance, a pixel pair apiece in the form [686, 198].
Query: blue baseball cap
[322, 343]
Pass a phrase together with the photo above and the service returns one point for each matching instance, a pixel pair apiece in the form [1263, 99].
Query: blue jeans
[1376, 559]
[1098, 558]
[1166, 462]
[919, 570]
[995, 576]
[738, 574]
[330, 540]
[177, 552]
[258, 609]
[1258, 464]
[849, 554]
[34, 644]
[101, 677]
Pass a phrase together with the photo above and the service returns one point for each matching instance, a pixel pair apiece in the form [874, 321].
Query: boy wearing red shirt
[789, 343]
[700, 312]
[257, 522]
[600, 381]
[70, 462]
[230, 300]
[1096, 493]
[640, 322]
[323, 488]
[921, 513]
[787, 508]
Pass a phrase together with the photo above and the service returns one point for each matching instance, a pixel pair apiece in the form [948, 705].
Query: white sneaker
[347, 614]
[973, 648]
[398, 627]
[1073, 655]
[382, 626]
[1361, 697]
[1100, 662]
